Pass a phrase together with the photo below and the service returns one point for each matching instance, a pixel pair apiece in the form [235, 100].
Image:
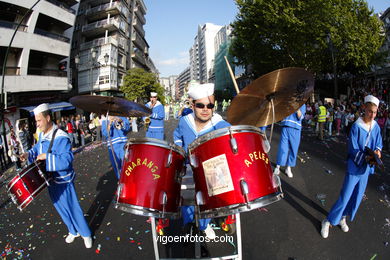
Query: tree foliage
[138, 84]
[303, 33]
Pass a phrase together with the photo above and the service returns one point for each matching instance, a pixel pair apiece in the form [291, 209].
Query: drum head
[223, 132]
[156, 142]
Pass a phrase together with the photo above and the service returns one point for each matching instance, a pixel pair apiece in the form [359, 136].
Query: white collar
[49, 134]
[190, 118]
[363, 125]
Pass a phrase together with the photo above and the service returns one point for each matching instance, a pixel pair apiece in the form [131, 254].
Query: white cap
[197, 91]
[153, 94]
[41, 108]
[372, 99]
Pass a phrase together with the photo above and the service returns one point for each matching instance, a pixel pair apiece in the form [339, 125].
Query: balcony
[62, 5]
[47, 72]
[138, 40]
[138, 56]
[55, 36]
[139, 27]
[10, 70]
[98, 42]
[101, 26]
[11, 25]
[140, 16]
[101, 11]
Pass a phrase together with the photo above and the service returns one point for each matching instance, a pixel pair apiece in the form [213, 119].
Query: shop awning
[54, 107]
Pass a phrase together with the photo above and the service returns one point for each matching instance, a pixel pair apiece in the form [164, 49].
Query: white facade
[203, 51]
[169, 84]
[39, 46]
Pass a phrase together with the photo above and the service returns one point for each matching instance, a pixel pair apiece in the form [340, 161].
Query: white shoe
[325, 228]
[288, 172]
[210, 234]
[343, 224]
[277, 170]
[88, 242]
[70, 238]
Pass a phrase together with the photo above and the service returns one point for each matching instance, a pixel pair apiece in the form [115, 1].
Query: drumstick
[232, 75]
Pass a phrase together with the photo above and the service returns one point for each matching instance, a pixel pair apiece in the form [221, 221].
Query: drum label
[217, 175]
[145, 162]
[254, 156]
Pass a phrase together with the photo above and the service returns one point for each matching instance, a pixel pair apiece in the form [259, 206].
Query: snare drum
[150, 179]
[27, 184]
[232, 171]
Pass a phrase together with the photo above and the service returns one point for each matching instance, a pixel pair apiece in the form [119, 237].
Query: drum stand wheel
[233, 222]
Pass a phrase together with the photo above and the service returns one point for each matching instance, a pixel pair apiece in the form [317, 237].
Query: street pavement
[287, 229]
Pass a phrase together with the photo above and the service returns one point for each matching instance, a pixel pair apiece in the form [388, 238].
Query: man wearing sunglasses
[203, 120]
[156, 126]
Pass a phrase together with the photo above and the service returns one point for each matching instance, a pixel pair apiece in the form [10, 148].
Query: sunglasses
[201, 105]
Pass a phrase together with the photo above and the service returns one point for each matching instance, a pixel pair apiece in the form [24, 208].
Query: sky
[171, 26]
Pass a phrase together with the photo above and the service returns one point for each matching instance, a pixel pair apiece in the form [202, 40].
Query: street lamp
[106, 57]
[331, 47]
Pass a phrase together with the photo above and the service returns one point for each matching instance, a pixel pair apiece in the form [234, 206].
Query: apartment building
[37, 63]
[109, 39]
[202, 52]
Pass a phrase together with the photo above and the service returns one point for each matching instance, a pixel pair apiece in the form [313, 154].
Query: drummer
[115, 130]
[156, 127]
[59, 164]
[201, 121]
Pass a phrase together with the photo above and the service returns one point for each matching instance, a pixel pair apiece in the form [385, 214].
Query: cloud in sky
[174, 65]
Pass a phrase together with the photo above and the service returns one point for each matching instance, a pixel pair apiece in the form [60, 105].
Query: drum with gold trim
[232, 171]
[150, 179]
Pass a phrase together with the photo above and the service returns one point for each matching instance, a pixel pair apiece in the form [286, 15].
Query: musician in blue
[201, 121]
[59, 164]
[156, 126]
[116, 136]
[290, 138]
[365, 132]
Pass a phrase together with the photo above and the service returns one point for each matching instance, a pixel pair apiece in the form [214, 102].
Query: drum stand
[188, 199]
[237, 255]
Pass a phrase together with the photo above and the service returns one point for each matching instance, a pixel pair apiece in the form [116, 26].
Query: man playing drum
[59, 163]
[115, 130]
[156, 126]
[193, 125]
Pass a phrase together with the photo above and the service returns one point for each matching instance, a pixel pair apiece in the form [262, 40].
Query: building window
[104, 79]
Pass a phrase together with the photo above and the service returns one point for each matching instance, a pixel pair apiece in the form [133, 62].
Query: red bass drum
[150, 179]
[232, 172]
[27, 184]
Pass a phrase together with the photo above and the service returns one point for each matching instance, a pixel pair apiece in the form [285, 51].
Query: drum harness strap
[48, 151]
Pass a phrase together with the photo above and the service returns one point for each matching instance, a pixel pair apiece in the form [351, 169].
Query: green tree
[138, 84]
[274, 34]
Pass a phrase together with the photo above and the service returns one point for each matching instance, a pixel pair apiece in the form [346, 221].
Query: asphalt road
[288, 229]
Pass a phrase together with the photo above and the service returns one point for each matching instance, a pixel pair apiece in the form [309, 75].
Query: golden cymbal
[113, 105]
[288, 88]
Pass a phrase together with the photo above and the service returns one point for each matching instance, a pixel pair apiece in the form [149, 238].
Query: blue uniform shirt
[60, 160]
[186, 133]
[357, 164]
[157, 117]
[293, 120]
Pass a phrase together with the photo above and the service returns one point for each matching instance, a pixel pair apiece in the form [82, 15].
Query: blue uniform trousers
[288, 146]
[65, 200]
[351, 196]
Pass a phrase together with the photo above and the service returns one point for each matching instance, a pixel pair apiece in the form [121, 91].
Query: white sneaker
[70, 238]
[325, 228]
[288, 172]
[88, 242]
[277, 170]
[343, 224]
[210, 234]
